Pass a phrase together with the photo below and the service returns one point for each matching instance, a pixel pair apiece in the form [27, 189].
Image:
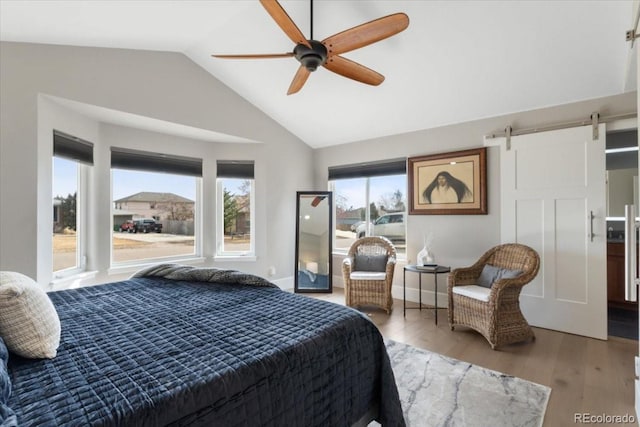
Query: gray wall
[160, 85]
[458, 239]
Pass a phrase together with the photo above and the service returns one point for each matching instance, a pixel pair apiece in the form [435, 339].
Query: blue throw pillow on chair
[490, 274]
[509, 274]
[370, 263]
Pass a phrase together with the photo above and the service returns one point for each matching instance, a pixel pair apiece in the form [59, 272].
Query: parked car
[146, 225]
[391, 226]
[127, 226]
[355, 226]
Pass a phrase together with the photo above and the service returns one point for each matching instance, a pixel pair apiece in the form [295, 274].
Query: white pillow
[29, 323]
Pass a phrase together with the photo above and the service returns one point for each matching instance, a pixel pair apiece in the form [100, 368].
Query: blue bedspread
[153, 351]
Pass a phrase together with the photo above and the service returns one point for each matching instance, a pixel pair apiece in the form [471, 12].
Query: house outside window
[71, 158]
[370, 200]
[155, 208]
[235, 234]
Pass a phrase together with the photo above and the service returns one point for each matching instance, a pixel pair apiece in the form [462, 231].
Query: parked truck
[146, 225]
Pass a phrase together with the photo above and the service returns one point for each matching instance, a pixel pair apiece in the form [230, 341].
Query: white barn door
[553, 200]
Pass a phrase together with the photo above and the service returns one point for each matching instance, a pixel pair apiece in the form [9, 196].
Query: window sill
[233, 258]
[132, 268]
[71, 281]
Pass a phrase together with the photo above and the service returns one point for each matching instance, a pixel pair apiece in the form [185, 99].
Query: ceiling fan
[312, 53]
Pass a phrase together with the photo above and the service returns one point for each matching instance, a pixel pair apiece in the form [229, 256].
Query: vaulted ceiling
[457, 61]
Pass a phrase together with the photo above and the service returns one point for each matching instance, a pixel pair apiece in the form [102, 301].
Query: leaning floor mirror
[313, 242]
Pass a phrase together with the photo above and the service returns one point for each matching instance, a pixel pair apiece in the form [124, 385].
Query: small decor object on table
[425, 256]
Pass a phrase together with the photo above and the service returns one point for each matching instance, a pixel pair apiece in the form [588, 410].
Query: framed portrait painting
[448, 183]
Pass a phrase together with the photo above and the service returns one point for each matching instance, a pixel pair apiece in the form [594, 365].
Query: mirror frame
[329, 197]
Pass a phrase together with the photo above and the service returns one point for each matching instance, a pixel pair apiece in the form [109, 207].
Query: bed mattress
[154, 352]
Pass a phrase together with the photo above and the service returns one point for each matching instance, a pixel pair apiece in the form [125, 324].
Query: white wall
[458, 239]
[160, 85]
[168, 86]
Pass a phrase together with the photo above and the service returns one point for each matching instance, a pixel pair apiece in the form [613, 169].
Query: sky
[355, 189]
[65, 177]
[126, 183]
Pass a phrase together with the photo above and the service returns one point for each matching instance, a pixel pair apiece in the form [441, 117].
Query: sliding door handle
[630, 254]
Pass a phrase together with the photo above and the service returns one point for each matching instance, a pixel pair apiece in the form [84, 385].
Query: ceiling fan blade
[285, 22]
[256, 56]
[347, 68]
[298, 80]
[365, 34]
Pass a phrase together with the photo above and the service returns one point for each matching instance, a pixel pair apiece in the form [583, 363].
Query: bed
[177, 345]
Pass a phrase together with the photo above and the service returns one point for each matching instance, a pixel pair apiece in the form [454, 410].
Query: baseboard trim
[285, 283]
[413, 294]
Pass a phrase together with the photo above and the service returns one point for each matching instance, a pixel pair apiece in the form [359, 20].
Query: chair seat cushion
[367, 275]
[473, 291]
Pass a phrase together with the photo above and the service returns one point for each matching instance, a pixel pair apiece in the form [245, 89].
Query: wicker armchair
[494, 312]
[368, 273]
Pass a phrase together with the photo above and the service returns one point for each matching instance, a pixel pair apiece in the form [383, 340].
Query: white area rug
[440, 391]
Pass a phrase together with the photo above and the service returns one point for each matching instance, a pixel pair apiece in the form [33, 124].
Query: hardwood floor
[586, 375]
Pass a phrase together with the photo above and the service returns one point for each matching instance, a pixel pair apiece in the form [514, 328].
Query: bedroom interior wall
[459, 240]
[160, 85]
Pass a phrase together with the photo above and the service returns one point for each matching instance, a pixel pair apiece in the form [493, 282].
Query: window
[370, 200]
[70, 157]
[235, 209]
[155, 207]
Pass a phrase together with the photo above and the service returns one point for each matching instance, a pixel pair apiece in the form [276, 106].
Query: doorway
[622, 189]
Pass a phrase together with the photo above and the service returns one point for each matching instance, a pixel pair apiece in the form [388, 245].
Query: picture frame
[453, 183]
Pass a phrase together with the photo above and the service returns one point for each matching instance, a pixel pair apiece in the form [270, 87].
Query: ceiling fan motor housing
[311, 53]
[312, 57]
